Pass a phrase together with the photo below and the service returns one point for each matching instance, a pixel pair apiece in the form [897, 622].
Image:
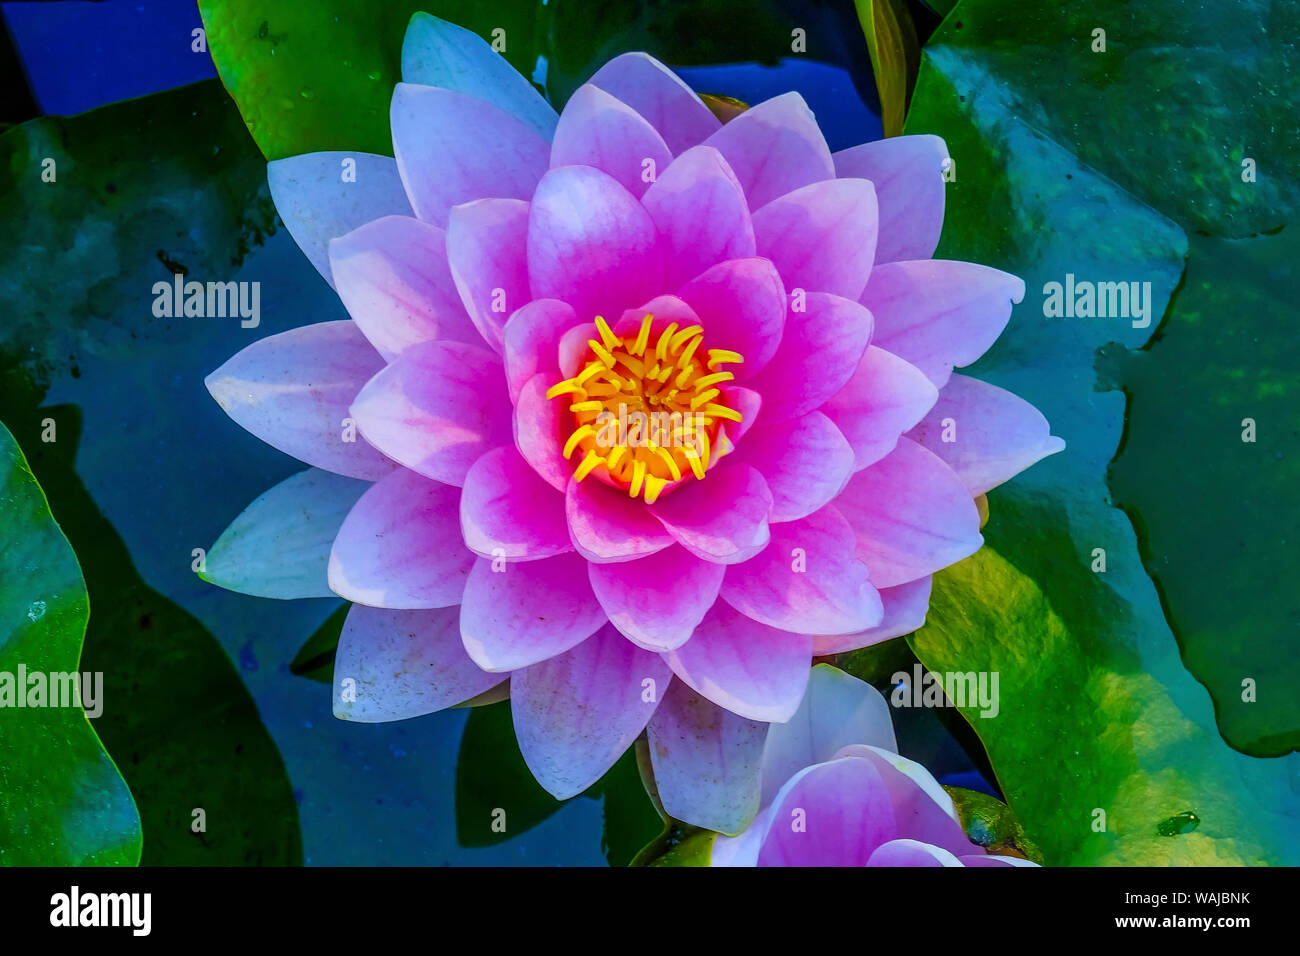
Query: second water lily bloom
[766, 313]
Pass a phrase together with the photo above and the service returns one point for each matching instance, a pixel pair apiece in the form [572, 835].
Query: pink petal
[576, 713]
[486, 242]
[905, 608]
[573, 348]
[402, 664]
[746, 401]
[822, 237]
[540, 431]
[598, 130]
[749, 668]
[452, 148]
[912, 515]
[805, 463]
[317, 204]
[774, 147]
[516, 614]
[911, 853]
[820, 350]
[741, 304]
[996, 434]
[292, 391]
[436, 409]
[531, 340]
[393, 277]
[829, 814]
[400, 546]
[507, 511]
[701, 214]
[837, 710]
[908, 174]
[939, 313]
[656, 601]
[807, 580]
[706, 761]
[923, 808]
[884, 398]
[722, 518]
[591, 244]
[654, 91]
[610, 527]
[665, 309]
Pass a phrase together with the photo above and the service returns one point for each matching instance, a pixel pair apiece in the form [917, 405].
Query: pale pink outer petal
[318, 202]
[292, 390]
[746, 401]
[666, 309]
[741, 304]
[996, 434]
[822, 237]
[885, 397]
[837, 710]
[609, 527]
[436, 52]
[576, 713]
[749, 668]
[591, 244]
[437, 409]
[508, 511]
[279, 546]
[574, 348]
[706, 761]
[486, 243]
[804, 462]
[773, 148]
[992, 859]
[452, 148]
[722, 518]
[657, 601]
[908, 174]
[829, 814]
[531, 340]
[905, 608]
[654, 91]
[807, 580]
[400, 546]
[541, 428]
[515, 614]
[598, 130]
[939, 313]
[912, 515]
[911, 853]
[392, 276]
[401, 664]
[699, 208]
[820, 350]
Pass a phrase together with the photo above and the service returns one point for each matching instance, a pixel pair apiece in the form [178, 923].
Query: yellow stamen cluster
[646, 408]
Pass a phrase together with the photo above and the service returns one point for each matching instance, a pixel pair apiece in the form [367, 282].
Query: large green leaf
[1098, 711]
[1220, 538]
[315, 76]
[62, 801]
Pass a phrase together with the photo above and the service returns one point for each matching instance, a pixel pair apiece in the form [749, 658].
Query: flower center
[647, 415]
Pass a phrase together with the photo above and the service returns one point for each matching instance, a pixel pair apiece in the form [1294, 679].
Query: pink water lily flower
[636, 409]
[836, 792]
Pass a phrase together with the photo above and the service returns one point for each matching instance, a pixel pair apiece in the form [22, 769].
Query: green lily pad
[62, 801]
[1220, 384]
[315, 76]
[1099, 712]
